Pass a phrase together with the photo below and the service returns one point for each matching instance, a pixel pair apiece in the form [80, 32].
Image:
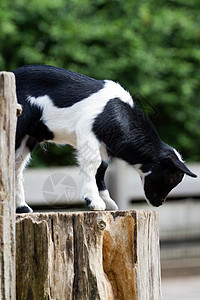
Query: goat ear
[175, 162]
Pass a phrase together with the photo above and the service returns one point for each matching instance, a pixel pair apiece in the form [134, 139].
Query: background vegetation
[151, 47]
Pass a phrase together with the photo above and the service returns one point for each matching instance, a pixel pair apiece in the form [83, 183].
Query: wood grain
[88, 255]
[7, 204]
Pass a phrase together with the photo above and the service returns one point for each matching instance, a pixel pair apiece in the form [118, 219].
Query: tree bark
[8, 104]
[88, 255]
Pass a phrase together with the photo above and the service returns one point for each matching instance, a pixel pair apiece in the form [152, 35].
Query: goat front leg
[89, 160]
[103, 192]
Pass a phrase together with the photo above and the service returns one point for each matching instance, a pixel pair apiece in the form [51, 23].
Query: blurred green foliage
[151, 47]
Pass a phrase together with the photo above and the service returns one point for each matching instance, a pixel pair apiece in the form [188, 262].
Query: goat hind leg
[22, 156]
[103, 192]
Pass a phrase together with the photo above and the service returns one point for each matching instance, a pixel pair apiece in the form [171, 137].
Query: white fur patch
[110, 204]
[115, 90]
[142, 174]
[22, 156]
[66, 122]
[178, 155]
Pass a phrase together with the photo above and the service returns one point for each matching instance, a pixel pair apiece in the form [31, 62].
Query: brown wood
[88, 255]
[7, 205]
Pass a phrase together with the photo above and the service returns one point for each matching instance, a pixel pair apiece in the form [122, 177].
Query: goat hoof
[95, 205]
[110, 204]
[23, 209]
[88, 203]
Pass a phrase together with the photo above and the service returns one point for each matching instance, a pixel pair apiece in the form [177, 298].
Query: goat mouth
[156, 202]
[154, 199]
[160, 202]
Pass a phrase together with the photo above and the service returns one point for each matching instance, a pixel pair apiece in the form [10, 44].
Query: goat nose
[160, 202]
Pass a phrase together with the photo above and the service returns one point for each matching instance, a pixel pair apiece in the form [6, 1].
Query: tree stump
[88, 255]
[8, 104]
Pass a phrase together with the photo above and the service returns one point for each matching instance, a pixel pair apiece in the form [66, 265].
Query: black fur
[29, 123]
[64, 87]
[127, 133]
[100, 176]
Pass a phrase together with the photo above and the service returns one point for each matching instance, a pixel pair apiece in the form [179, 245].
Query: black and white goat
[99, 118]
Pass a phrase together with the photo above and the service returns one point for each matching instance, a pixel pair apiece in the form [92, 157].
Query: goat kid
[100, 119]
